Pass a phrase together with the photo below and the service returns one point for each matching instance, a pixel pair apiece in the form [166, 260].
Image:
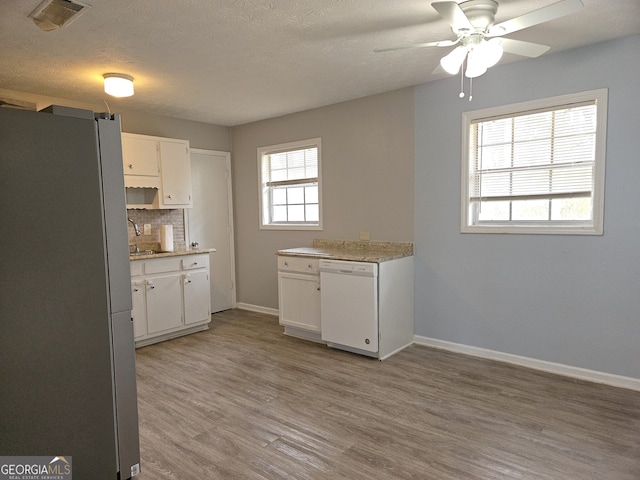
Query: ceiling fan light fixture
[118, 84]
[475, 65]
[490, 52]
[452, 62]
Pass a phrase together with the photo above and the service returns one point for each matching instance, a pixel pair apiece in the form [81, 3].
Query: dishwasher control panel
[349, 267]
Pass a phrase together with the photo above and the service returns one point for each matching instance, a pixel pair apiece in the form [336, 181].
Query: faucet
[137, 231]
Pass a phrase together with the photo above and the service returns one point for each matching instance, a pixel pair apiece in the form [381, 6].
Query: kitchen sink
[142, 253]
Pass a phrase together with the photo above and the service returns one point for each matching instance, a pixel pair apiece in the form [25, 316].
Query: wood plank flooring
[243, 401]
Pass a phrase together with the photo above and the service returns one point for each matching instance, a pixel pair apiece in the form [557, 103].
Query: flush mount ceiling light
[53, 14]
[473, 23]
[118, 84]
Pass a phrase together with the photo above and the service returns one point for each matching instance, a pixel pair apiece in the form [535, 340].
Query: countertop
[191, 251]
[355, 251]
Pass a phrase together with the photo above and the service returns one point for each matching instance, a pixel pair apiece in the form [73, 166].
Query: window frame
[596, 224]
[264, 196]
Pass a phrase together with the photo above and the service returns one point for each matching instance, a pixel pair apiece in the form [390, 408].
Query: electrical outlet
[365, 236]
[147, 229]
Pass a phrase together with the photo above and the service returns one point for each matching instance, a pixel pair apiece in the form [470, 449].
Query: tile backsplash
[156, 218]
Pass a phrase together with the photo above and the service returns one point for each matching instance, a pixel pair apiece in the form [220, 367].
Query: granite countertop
[355, 251]
[156, 254]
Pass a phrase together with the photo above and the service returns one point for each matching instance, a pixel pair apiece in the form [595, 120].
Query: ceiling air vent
[53, 14]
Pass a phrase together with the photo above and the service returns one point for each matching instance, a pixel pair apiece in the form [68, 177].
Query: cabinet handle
[131, 166]
[136, 289]
[152, 286]
[286, 264]
[169, 196]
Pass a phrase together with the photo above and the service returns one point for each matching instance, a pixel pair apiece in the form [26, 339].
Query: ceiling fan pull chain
[470, 89]
[461, 83]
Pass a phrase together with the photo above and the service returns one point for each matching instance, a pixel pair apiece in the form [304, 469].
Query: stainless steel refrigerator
[67, 362]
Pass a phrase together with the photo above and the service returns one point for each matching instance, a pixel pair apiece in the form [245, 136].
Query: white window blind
[532, 156]
[291, 167]
[536, 167]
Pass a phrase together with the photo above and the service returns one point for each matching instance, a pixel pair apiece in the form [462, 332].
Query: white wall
[573, 300]
[367, 182]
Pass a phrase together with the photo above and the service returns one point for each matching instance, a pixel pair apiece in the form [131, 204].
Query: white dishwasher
[349, 305]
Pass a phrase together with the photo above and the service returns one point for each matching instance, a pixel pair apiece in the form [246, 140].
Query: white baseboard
[258, 309]
[551, 367]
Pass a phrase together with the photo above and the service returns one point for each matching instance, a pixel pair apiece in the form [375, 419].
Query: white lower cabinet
[299, 296]
[164, 303]
[138, 309]
[171, 297]
[196, 297]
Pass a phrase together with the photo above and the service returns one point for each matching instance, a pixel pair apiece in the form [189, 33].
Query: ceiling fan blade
[453, 14]
[545, 14]
[526, 49]
[444, 43]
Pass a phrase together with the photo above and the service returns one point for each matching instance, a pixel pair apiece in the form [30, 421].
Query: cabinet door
[197, 300]
[138, 310]
[164, 303]
[176, 174]
[299, 298]
[140, 155]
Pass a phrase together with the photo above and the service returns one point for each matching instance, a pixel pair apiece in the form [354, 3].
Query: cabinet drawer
[189, 262]
[298, 264]
[161, 265]
[135, 268]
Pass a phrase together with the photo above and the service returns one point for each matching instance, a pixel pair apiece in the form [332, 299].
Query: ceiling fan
[479, 40]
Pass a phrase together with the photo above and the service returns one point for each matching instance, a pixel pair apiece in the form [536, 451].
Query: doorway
[210, 221]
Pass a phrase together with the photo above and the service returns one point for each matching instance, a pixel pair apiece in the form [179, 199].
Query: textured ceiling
[230, 62]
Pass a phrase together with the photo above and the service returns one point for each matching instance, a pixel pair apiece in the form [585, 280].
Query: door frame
[232, 241]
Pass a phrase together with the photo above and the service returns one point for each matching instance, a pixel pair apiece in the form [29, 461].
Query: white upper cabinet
[140, 157]
[175, 167]
[157, 172]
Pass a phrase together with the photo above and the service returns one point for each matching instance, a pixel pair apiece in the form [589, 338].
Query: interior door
[210, 221]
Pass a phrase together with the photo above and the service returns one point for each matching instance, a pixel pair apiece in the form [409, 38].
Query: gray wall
[367, 175]
[574, 300]
[200, 135]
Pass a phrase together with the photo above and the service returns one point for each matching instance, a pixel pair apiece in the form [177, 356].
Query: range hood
[141, 181]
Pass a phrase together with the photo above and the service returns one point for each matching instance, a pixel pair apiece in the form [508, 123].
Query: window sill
[533, 230]
[291, 226]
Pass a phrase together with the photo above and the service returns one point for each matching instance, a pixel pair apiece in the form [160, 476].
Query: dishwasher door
[349, 304]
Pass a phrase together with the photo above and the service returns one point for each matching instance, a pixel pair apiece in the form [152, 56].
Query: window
[536, 167]
[290, 195]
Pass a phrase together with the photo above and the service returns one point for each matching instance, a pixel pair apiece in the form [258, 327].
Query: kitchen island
[351, 250]
[352, 295]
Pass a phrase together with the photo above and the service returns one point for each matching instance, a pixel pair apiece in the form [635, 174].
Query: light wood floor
[243, 401]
